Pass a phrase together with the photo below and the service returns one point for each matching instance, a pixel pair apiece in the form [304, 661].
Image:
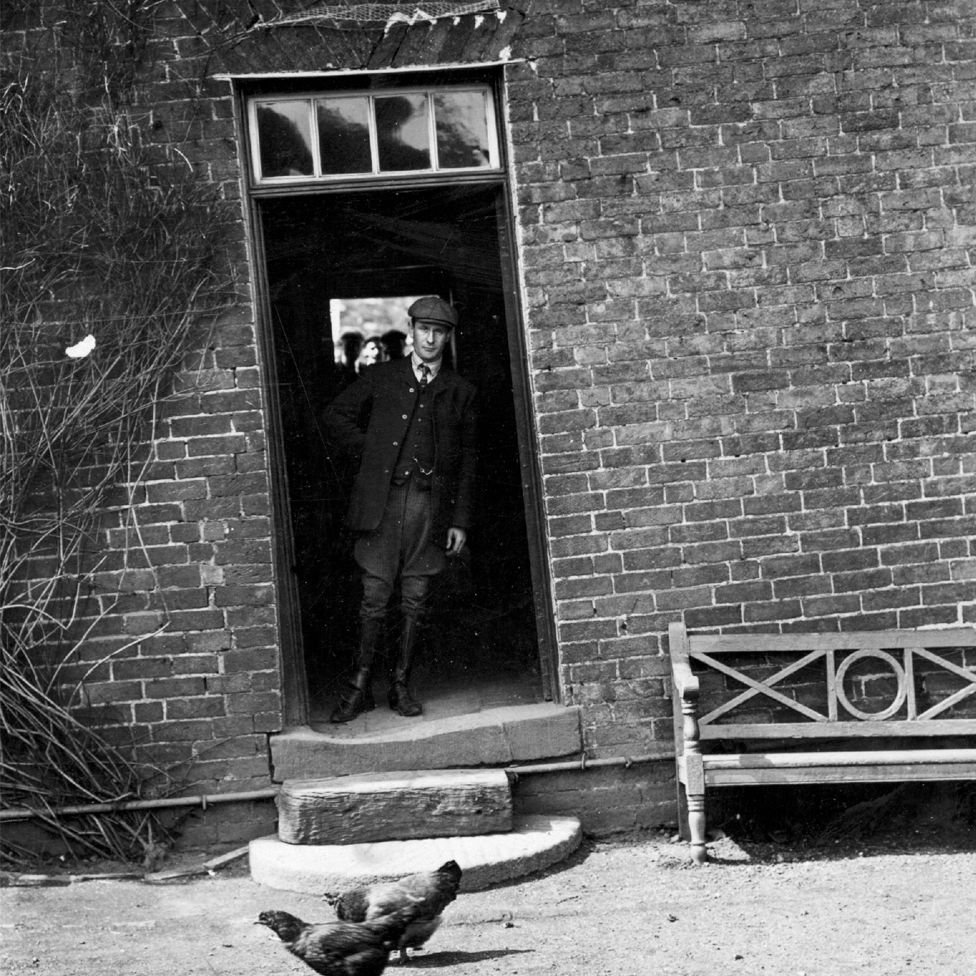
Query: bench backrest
[917, 682]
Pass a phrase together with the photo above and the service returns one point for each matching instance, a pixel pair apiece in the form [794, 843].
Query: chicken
[430, 892]
[341, 948]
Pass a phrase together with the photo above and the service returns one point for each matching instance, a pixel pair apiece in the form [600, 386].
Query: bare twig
[110, 265]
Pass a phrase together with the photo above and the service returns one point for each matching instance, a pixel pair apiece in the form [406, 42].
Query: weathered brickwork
[607, 800]
[188, 642]
[747, 231]
[180, 656]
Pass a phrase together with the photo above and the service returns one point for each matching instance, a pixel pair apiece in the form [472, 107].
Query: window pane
[344, 135]
[401, 129]
[462, 130]
[284, 139]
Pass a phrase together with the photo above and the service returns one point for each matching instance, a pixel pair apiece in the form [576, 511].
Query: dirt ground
[902, 906]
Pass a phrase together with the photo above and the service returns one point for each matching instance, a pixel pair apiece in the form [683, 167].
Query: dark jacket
[368, 422]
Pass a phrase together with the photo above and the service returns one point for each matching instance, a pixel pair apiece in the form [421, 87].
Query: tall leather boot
[401, 700]
[358, 696]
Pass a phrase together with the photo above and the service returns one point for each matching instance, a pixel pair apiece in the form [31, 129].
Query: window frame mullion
[311, 100]
[435, 156]
[374, 138]
[313, 131]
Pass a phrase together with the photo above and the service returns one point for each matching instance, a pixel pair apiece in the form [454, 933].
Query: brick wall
[606, 800]
[747, 234]
[199, 693]
[180, 656]
[186, 655]
[746, 241]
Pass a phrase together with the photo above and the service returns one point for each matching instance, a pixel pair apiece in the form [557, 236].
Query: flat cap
[433, 309]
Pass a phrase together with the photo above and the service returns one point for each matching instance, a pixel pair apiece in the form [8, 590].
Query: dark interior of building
[393, 243]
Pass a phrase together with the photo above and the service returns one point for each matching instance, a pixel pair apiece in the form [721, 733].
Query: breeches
[400, 548]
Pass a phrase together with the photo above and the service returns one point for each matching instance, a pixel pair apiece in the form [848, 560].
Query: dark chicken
[428, 892]
[341, 948]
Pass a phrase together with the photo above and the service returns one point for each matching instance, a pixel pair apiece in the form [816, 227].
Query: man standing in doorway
[411, 424]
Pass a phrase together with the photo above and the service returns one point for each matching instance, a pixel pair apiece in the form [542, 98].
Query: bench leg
[696, 827]
[683, 831]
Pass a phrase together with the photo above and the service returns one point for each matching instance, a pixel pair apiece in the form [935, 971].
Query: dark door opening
[483, 624]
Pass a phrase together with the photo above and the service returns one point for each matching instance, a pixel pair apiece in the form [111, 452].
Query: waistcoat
[416, 458]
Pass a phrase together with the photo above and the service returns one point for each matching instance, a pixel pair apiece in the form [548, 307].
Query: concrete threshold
[491, 737]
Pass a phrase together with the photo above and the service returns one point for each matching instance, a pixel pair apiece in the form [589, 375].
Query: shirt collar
[416, 361]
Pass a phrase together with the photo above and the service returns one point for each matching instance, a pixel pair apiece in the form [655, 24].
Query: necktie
[424, 375]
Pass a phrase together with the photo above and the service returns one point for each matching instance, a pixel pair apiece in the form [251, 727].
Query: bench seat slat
[815, 775]
[840, 730]
[799, 768]
[877, 757]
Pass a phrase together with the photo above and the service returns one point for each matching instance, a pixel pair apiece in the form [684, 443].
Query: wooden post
[694, 783]
[689, 773]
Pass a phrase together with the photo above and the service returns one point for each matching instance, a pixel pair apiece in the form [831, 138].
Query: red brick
[779, 610]
[202, 707]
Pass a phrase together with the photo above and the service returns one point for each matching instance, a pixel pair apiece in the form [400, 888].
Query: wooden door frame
[294, 683]
[529, 464]
[291, 649]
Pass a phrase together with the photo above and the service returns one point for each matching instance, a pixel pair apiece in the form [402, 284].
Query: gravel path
[621, 908]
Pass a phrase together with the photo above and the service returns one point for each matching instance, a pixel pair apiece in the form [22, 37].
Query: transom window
[377, 133]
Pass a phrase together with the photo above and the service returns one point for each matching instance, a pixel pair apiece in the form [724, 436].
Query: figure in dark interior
[395, 342]
[372, 352]
[410, 424]
[352, 343]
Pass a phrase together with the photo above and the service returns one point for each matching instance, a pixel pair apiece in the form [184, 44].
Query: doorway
[350, 262]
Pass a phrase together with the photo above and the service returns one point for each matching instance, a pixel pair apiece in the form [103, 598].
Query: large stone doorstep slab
[394, 806]
[493, 737]
[534, 843]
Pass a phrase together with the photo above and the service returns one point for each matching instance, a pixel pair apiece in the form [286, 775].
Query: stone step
[534, 843]
[492, 737]
[394, 806]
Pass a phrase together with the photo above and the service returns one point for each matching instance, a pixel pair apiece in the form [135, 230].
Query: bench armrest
[685, 683]
[684, 693]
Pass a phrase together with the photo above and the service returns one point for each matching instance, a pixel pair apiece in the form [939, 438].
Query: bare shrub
[111, 266]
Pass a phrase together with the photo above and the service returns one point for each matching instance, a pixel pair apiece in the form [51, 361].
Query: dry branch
[110, 269]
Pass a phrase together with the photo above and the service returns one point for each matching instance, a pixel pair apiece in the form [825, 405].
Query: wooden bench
[771, 709]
